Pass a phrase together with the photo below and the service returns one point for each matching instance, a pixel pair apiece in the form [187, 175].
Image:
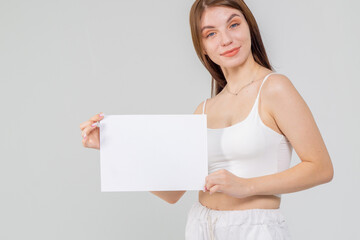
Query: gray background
[61, 62]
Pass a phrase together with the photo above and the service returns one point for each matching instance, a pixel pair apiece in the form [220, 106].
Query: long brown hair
[257, 47]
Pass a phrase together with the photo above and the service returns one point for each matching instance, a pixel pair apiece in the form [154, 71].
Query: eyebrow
[231, 17]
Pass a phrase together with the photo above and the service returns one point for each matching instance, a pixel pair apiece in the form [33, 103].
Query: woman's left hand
[228, 183]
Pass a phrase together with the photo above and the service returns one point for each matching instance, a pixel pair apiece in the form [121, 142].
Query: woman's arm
[169, 196]
[296, 121]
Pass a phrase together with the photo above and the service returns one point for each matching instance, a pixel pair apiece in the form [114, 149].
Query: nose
[226, 39]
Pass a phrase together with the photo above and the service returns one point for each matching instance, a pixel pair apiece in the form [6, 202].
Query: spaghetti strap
[266, 77]
[203, 112]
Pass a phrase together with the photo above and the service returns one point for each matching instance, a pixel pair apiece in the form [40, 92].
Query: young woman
[255, 119]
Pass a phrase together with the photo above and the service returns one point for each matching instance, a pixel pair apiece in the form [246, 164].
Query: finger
[85, 124]
[208, 186]
[88, 123]
[84, 141]
[87, 130]
[214, 179]
[93, 119]
[97, 117]
[214, 189]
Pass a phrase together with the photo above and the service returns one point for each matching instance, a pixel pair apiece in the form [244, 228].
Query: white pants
[251, 224]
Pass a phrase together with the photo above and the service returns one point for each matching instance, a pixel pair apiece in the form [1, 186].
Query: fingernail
[84, 135]
[94, 124]
[101, 114]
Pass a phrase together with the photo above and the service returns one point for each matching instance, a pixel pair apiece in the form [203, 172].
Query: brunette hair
[257, 47]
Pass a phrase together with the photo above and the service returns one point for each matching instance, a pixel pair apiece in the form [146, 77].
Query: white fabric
[252, 224]
[248, 148]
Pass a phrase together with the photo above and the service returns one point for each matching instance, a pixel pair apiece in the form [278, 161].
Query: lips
[230, 51]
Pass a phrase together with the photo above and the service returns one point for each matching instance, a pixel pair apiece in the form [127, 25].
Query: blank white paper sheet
[153, 152]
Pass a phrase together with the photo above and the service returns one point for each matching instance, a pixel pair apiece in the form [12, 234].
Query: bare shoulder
[277, 83]
[199, 108]
[277, 88]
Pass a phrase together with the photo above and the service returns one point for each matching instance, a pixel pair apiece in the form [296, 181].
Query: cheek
[241, 39]
[210, 50]
[208, 46]
[245, 38]
[213, 54]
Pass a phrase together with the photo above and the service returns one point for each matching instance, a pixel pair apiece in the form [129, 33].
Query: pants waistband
[247, 216]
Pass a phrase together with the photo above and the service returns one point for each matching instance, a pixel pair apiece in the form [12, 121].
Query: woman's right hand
[90, 132]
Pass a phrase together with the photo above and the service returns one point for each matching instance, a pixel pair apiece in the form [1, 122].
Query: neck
[242, 75]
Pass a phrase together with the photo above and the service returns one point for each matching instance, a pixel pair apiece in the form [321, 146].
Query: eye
[230, 26]
[209, 35]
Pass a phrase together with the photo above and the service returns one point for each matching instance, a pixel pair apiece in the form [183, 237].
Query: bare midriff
[224, 202]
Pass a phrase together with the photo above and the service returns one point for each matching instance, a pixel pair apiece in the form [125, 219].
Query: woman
[250, 135]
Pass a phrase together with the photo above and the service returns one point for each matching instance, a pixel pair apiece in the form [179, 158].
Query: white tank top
[248, 148]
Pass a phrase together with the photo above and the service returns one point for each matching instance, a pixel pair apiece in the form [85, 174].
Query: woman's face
[224, 29]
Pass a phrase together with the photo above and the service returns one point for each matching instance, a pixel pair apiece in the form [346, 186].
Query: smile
[231, 53]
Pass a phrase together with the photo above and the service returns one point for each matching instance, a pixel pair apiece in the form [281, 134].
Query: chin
[232, 64]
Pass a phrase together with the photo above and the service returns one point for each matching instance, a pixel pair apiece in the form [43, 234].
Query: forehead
[218, 14]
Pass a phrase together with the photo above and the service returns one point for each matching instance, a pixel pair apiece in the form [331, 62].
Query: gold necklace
[227, 88]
